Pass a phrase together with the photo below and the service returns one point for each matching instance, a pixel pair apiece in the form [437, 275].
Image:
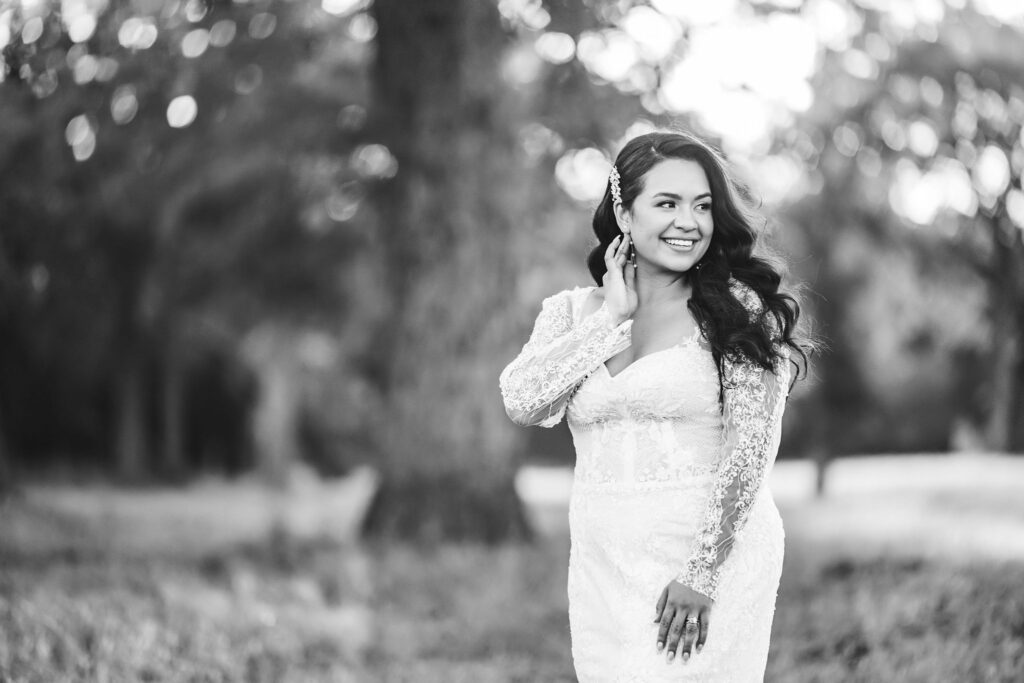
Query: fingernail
[671, 656]
[699, 648]
[661, 646]
[686, 656]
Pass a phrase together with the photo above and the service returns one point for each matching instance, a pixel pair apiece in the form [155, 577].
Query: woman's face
[670, 220]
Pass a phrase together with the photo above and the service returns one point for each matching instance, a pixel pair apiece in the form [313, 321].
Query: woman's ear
[622, 218]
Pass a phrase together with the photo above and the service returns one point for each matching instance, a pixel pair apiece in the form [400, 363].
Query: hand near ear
[619, 280]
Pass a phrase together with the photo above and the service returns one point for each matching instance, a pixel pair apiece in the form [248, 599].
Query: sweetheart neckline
[692, 340]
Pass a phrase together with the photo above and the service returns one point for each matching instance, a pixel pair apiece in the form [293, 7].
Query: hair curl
[723, 318]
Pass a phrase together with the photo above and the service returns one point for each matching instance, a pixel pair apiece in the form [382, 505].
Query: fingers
[616, 252]
[675, 632]
[666, 623]
[660, 607]
[611, 250]
[705, 621]
[691, 628]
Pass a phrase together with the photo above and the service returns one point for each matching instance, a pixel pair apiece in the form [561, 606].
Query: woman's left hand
[684, 614]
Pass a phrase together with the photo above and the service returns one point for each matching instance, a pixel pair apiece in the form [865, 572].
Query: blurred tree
[441, 106]
[924, 131]
[199, 137]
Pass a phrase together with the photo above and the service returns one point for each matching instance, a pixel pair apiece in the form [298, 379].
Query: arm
[753, 404]
[536, 386]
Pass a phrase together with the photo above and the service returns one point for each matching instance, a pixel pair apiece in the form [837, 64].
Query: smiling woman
[673, 376]
[674, 209]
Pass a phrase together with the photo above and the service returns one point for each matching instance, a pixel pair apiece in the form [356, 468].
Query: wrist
[617, 318]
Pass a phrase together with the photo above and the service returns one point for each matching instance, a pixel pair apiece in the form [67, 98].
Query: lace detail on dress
[754, 401]
[558, 358]
[663, 480]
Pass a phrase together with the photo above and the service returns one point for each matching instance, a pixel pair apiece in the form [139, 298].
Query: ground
[911, 569]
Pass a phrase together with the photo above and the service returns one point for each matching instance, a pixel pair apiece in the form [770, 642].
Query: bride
[673, 375]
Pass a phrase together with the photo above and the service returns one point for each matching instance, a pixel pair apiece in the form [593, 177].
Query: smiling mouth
[683, 245]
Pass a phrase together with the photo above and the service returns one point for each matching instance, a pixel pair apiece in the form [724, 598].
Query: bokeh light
[656, 35]
[609, 54]
[248, 78]
[555, 47]
[341, 8]
[124, 104]
[195, 42]
[32, 30]
[696, 12]
[182, 111]
[374, 161]
[527, 13]
[137, 32]
[79, 18]
[583, 174]
[222, 33]
[86, 69]
[362, 28]
[195, 10]
[80, 134]
[521, 66]
[262, 25]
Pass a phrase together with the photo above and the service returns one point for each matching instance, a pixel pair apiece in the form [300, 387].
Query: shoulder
[571, 301]
[577, 297]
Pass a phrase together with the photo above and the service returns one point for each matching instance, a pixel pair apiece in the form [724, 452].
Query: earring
[632, 253]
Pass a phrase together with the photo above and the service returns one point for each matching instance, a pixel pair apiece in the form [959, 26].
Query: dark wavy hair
[722, 317]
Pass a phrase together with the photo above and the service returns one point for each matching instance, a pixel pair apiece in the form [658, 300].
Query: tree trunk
[447, 116]
[131, 443]
[132, 344]
[6, 476]
[1007, 297]
[172, 433]
[276, 413]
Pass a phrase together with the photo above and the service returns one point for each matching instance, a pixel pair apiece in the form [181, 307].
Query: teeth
[681, 243]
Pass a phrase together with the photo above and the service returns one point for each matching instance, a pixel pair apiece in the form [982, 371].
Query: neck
[654, 289]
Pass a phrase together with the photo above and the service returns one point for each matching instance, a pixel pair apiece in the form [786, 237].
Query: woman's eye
[668, 205]
[704, 207]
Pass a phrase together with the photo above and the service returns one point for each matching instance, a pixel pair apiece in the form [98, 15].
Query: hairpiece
[613, 180]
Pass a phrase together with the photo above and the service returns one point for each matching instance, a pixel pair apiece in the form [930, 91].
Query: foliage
[172, 178]
[466, 612]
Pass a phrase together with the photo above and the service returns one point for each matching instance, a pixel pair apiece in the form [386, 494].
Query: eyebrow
[673, 195]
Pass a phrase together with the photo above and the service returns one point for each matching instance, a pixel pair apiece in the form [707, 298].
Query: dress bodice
[657, 426]
[655, 423]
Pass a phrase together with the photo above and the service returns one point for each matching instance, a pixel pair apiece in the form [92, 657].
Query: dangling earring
[632, 253]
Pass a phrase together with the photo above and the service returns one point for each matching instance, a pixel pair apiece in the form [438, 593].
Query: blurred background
[262, 262]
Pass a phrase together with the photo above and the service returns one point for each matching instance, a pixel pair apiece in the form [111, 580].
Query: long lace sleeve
[558, 356]
[753, 403]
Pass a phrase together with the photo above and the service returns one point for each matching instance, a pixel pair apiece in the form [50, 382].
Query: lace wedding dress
[667, 485]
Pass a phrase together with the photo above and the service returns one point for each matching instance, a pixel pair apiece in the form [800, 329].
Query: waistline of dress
[697, 483]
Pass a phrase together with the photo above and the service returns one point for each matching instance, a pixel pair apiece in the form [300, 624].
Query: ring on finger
[692, 621]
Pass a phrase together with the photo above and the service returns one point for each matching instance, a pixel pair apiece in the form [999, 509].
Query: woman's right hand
[619, 281]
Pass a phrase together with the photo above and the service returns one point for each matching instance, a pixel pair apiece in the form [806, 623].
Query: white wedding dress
[667, 485]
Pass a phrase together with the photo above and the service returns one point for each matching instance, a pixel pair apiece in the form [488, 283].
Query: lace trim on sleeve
[557, 358]
[754, 401]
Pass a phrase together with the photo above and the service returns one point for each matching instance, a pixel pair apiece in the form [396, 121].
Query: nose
[685, 219]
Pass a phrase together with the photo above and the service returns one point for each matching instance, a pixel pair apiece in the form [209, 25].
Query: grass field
[289, 610]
